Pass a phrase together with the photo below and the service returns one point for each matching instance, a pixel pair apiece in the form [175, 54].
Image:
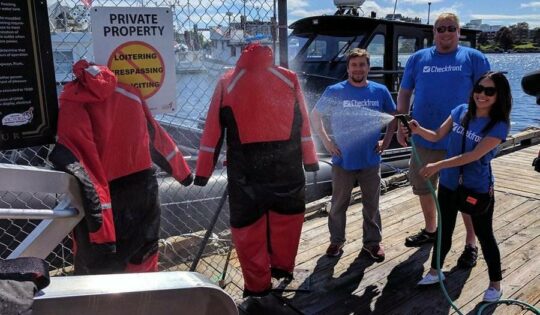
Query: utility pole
[394, 14]
[283, 42]
[428, 11]
[229, 14]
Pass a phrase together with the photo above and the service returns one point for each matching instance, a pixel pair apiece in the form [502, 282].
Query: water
[525, 112]
[357, 126]
[194, 91]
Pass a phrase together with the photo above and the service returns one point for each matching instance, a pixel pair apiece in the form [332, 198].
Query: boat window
[295, 45]
[317, 50]
[465, 43]
[376, 52]
[322, 47]
[406, 47]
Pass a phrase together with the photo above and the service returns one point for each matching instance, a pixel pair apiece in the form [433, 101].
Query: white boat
[188, 61]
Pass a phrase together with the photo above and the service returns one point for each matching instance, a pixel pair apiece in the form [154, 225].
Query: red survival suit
[262, 108]
[107, 138]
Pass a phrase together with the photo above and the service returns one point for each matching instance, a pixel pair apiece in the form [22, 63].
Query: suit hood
[93, 83]
[256, 56]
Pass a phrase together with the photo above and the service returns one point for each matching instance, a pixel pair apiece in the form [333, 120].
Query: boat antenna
[428, 11]
[394, 14]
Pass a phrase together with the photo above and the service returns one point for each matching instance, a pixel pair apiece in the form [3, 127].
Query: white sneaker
[430, 279]
[492, 295]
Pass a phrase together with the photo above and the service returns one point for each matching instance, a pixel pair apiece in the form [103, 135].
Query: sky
[494, 12]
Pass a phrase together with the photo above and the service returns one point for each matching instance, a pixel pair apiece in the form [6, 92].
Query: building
[399, 17]
[68, 19]
[227, 42]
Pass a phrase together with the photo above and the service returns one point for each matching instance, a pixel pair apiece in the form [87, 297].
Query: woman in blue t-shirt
[488, 119]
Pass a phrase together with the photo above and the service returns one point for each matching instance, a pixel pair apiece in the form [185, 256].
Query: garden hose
[523, 305]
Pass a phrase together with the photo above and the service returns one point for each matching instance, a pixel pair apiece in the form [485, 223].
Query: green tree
[520, 32]
[483, 38]
[536, 36]
[504, 38]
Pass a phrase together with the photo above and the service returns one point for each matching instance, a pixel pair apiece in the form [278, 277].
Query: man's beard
[353, 78]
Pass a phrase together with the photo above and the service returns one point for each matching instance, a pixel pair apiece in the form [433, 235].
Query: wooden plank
[460, 284]
[373, 276]
[354, 284]
[519, 277]
[392, 234]
[410, 267]
[529, 292]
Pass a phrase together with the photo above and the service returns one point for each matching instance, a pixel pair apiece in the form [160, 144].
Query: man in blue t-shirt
[348, 118]
[442, 78]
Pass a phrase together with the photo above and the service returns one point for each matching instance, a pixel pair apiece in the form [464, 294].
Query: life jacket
[260, 104]
[105, 132]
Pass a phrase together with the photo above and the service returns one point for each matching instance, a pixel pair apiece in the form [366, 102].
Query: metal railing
[55, 224]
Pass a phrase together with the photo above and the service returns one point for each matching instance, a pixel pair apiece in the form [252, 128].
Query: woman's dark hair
[500, 111]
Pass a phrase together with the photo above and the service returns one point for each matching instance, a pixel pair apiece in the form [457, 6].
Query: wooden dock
[353, 284]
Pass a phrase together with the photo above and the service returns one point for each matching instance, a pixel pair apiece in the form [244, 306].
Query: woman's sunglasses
[442, 29]
[488, 91]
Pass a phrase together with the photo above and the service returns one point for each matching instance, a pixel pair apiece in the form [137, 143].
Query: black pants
[483, 228]
[136, 213]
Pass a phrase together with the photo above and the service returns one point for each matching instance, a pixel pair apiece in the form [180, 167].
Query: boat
[318, 46]
[188, 61]
[226, 43]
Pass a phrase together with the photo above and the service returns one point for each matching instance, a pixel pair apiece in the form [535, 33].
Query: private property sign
[136, 44]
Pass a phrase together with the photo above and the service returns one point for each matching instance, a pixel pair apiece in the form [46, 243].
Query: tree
[504, 38]
[483, 38]
[536, 36]
[520, 32]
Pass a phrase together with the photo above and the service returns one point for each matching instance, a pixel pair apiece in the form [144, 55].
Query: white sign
[137, 45]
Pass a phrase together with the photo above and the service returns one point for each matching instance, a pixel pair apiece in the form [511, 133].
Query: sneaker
[468, 257]
[334, 250]
[492, 295]
[430, 279]
[420, 238]
[375, 251]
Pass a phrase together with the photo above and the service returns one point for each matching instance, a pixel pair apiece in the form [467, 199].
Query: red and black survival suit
[107, 138]
[261, 110]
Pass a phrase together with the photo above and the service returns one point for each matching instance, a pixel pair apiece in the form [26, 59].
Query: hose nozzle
[404, 118]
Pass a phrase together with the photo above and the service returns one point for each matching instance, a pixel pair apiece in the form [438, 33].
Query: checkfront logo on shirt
[459, 129]
[362, 103]
[436, 69]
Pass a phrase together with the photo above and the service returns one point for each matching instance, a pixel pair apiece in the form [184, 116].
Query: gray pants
[342, 185]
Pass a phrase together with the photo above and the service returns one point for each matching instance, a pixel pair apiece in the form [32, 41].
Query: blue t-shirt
[441, 82]
[355, 121]
[476, 175]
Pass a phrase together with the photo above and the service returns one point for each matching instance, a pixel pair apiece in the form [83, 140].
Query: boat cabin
[318, 47]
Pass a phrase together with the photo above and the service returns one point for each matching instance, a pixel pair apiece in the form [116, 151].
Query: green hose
[439, 271]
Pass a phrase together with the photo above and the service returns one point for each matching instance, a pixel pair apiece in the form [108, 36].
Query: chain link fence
[209, 36]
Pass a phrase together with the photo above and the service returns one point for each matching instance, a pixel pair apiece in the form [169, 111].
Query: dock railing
[55, 223]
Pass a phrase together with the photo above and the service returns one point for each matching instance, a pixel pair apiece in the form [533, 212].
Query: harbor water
[194, 90]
